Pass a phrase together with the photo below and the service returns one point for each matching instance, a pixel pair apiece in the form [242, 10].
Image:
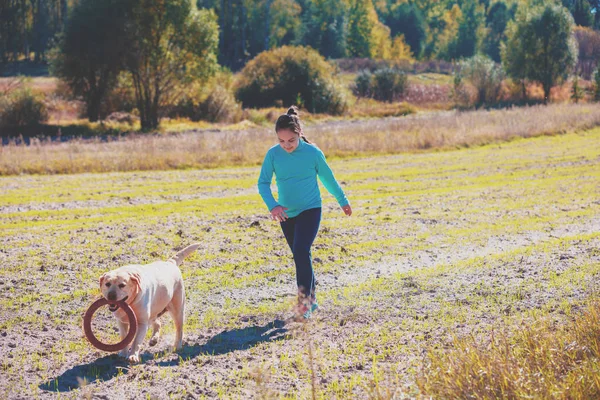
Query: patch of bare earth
[476, 241]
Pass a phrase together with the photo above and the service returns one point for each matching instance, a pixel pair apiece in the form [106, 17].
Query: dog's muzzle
[115, 306]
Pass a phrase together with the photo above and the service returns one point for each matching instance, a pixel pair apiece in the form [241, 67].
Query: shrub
[459, 94]
[362, 84]
[577, 92]
[389, 84]
[486, 76]
[213, 101]
[597, 85]
[220, 106]
[291, 75]
[23, 108]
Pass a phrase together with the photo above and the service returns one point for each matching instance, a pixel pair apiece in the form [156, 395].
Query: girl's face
[288, 139]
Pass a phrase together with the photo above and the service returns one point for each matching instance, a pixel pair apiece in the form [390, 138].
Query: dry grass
[207, 149]
[370, 108]
[539, 361]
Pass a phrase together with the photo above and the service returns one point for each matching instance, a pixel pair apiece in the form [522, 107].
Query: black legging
[300, 232]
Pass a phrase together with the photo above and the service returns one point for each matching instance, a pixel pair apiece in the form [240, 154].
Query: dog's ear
[135, 278]
[102, 280]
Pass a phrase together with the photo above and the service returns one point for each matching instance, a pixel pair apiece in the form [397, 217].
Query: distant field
[246, 143]
[441, 244]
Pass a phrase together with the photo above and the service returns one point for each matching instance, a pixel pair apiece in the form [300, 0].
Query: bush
[212, 101]
[460, 94]
[22, 108]
[386, 84]
[362, 84]
[220, 106]
[597, 85]
[486, 76]
[389, 84]
[291, 75]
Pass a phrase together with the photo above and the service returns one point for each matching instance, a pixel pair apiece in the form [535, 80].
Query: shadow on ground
[106, 368]
[228, 341]
[103, 369]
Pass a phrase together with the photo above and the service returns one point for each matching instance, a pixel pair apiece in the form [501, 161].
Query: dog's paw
[134, 359]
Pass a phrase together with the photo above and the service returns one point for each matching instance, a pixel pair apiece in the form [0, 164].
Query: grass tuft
[538, 360]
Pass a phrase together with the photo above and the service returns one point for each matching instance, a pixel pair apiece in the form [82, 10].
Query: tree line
[160, 50]
[386, 29]
[28, 27]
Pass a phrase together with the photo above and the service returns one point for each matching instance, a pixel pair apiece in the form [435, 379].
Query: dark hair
[290, 121]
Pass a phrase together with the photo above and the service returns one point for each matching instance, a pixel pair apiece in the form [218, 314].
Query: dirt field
[440, 244]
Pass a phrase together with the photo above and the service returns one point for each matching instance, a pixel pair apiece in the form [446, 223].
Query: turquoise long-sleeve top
[296, 177]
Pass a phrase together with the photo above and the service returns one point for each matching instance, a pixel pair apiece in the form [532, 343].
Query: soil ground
[440, 244]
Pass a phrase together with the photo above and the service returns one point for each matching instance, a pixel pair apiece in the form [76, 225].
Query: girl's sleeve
[326, 176]
[264, 182]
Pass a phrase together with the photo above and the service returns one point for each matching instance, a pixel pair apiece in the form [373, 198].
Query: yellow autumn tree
[451, 19]
[381, 47]
[400, 50]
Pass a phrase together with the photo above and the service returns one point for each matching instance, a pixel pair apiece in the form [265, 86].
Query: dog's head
[119, 285]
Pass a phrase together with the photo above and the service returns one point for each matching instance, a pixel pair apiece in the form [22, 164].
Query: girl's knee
[301, 253]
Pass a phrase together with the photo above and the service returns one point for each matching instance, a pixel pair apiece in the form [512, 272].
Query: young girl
[296, 163]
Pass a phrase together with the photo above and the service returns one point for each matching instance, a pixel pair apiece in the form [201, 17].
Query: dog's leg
[134, 355]
[123, 329]
[155, 332]
[177, 310]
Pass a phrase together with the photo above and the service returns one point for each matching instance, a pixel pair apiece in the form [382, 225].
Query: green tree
[285, 22]
[92, 50]
[248, 27]
[540, 47]
[360, 27]
[469, 31]
[28, 27]
[171, 43]
[406, 19]
[514, 56]
[325, 26]
[497, 19]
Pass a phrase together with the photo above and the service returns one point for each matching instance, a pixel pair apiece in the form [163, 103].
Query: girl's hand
[278, 213]
[347, 210]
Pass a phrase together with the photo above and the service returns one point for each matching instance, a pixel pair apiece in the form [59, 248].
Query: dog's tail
[178, 258]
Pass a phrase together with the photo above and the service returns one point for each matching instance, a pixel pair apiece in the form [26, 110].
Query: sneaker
[301, 312]
[313, 307]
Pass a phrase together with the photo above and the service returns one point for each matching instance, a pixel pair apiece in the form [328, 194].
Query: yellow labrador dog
[150, 290]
